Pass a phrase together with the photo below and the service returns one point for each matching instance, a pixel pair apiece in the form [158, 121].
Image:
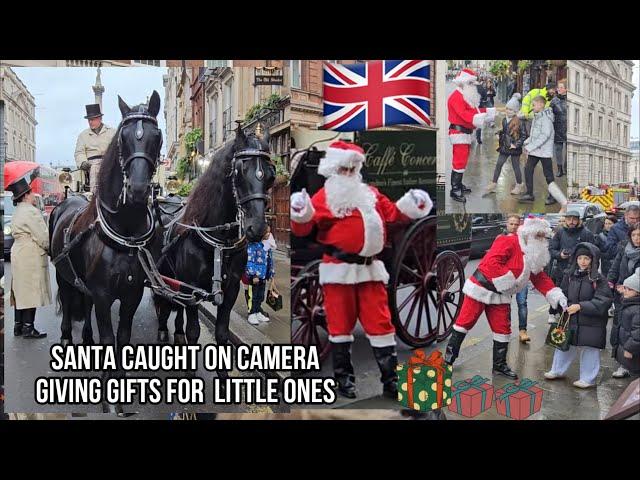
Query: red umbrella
[15, 170]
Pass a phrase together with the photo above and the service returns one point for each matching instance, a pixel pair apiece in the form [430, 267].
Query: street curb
[240, 333]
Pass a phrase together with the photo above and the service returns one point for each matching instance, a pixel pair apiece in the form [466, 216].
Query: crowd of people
[580, 274]
[535, 125]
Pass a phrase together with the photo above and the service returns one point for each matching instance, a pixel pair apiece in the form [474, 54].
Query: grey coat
[540, 141]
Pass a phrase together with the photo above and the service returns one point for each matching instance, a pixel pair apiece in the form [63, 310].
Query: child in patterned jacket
[260, 268]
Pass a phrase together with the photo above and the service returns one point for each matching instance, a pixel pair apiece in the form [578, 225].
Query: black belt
[95, 157]
[349, 257]
[460, 128]
[484, 281]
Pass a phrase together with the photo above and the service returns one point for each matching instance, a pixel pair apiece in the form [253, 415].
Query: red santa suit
[464, 112]
[355, 290]
[508, 266]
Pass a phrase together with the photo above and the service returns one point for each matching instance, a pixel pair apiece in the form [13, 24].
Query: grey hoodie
[540, 141]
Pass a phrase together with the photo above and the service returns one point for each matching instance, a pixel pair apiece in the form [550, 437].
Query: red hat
[466, 75]
[341, 154]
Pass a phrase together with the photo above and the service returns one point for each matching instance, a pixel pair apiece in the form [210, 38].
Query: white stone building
[599, 122]
[634, 166]
[17, 119]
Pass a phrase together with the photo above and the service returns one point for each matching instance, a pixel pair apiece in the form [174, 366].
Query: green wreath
[558, 335]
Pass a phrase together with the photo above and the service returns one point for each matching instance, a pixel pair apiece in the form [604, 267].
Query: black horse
[93, 244]
[232, 192]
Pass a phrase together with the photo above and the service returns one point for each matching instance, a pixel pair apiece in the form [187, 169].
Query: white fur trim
[464, 77]
[501, 337]
[556, 193]
[531, 227]
[338, 157]
[553, 296]
[460, 138]
[482, 295]
[460, 329]
[352, 273]
[341, 338]
[459, 171]
[407, 205]
[373, 231]
[479, 119]
[386, 340]
[504, 282]
[303, 216]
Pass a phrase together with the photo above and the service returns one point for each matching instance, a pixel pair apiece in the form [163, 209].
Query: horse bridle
[140, 116]
[239, 158]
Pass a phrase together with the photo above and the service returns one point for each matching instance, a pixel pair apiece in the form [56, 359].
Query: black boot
[500, 350]
[560, 171]
[387, 362]
[456, 187]
[17, 327]
[550, 200]
[28, 330]
[527, 198]
[343, 369]
[453, 347]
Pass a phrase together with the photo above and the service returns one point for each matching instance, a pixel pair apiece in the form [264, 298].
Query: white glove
[563, 302]
[491, 114]
[421, 198]
[300, 200]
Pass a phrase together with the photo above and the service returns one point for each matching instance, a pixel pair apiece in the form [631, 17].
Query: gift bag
[274, 299]
[559, 334]
[424, 382]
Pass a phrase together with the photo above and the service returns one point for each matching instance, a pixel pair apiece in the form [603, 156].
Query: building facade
[634, 166]
[599, 122]
[17, 119]
[85, 63]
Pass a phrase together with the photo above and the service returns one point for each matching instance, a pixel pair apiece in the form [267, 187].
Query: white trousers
[589, 362]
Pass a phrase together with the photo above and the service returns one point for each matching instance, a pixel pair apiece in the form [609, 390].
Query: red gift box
[471, 397]
[519, 400]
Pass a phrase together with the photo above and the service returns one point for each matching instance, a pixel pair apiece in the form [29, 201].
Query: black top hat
[93, 111]
[22, 185]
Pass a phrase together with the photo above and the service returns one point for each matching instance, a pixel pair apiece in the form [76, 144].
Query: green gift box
[424, 383]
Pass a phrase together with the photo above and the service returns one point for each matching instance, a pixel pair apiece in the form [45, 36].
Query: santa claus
[506, 268]
[464, 117]
[350, 217]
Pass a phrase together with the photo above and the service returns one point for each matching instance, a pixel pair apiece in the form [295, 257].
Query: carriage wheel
[412, 300]
[449, 282]
[308, 319]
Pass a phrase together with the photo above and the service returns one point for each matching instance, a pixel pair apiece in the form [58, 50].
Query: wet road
[561, 400]
[479, 174]
[26, 360]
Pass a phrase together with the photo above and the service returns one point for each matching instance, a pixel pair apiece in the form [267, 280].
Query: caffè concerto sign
[268, 76]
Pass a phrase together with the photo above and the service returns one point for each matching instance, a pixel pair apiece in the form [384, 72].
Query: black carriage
[425, 259]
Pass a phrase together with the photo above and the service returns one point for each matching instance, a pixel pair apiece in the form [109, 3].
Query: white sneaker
[621, 372]
[262, 317]
[582, 384]
[491, 187]
[552, 319]
[519, 189]
[552, 375]
[253, 319]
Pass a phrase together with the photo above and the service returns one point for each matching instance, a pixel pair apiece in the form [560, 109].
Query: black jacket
[567, 239]
[483, 96]
[622, 266]
[559, 108]
[589, 289]
[505, 140]
[605, 261]
[629, 334]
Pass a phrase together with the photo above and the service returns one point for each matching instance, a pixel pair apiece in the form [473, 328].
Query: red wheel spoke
[405, 268]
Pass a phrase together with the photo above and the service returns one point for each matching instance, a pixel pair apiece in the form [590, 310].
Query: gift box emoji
[519, 400]
[471, 397]
[424, 382]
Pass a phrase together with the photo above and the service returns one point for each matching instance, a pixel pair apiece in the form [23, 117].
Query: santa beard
[346, 193]
[536, 253]
[470, 94]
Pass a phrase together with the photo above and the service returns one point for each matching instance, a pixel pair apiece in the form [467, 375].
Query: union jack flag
[369, 95]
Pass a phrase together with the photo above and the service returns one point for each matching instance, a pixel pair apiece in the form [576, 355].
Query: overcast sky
[62, 93]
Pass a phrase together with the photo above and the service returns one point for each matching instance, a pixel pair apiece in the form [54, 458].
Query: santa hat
[532, 226]
[341, 154]
[465, 75]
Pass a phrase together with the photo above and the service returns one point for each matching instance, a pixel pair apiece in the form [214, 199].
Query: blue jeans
[521, 299]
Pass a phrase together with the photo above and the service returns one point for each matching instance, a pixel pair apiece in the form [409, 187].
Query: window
[618, 134]
[590, 82]
[591, 164]
[626, 104]
[151, 63]
[296, 73]
[600, 93]
[217, 63]
[612, 175]
[600, 169]
[576, 121]
[625, 140]
[577, 85]
[599, 127]
[610, 130]
[590, 126]
[574, 162]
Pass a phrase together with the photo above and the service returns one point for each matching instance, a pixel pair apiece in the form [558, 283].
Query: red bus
[46, 185]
